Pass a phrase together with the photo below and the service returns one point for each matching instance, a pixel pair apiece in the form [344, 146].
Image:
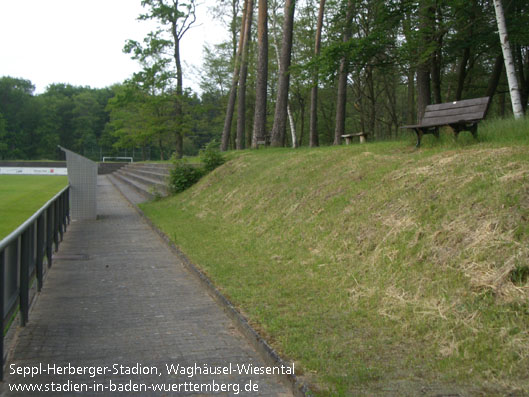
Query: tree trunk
[233, 27]
[526, 87]
[280, 116]
[372, 101]
[241, 107]
[524, 83]
[342, 79]
[463, 68]
[289, 113]
[233, 90]
[424, 94]
[179, 144]
[179, 89]
[495, 77]
[259, 125]
[509, 62]
[410, 114]
[435, 61]
[314, 139]
[423, 90]
[292, 128]
[462, 73]
[302, 126]
[160, 146]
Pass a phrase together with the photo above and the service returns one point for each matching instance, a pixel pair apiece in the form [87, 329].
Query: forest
[291, 73]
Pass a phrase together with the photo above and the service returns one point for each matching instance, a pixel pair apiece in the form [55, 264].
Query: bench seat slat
[456, 104]
[452, 119]
[453, 112]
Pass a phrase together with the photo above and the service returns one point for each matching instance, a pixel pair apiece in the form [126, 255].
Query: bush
[183, 175]
[211, 156]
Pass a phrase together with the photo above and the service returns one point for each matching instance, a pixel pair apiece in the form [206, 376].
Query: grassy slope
[23, 195]
[379, 269]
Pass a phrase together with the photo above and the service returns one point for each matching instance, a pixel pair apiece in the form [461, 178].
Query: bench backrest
[466, 110]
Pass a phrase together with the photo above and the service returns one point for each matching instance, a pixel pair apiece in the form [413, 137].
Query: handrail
[19, 230]
[22, 255]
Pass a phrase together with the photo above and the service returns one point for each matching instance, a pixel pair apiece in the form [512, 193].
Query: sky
[80, 42]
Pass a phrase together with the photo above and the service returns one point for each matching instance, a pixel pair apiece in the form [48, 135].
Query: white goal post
[118, 158]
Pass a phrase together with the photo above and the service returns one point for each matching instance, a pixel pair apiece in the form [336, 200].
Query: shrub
[211, 156]
[183, 175]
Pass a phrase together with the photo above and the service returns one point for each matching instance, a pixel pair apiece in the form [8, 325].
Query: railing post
[2, 314]
[60, 219]
[24, 276]
[40, 251]
[55, 206]
[49, 234]
[65, 209]
[68, 204]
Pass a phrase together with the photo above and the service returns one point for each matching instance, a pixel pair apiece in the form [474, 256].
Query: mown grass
[379, 269]
[22, 195]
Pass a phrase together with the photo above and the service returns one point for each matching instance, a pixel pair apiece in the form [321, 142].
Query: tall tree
[437, 34]
[280, 114]
[410, 73]
[241, 107]
[342, 77]
[466, 27]
[228, 13]
[234, 83]
[259, 126]
[3, 132]
[424, 93]
[21, 117]
[314, 140]
[509, 62]
[177, 17]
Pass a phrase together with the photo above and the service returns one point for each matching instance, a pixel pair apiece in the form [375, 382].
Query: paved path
[117, 296]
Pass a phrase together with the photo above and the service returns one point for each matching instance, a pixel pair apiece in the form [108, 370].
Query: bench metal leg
[419, 133]
[474, 131]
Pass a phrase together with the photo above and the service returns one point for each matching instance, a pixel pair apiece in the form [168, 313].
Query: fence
[22, 255]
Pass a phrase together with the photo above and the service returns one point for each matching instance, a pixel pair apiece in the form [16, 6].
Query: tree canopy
[353, 65]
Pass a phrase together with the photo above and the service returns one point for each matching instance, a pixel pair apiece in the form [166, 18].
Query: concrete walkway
[117, 302]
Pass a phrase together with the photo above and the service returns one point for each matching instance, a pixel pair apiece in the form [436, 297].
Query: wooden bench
[459, 115]
[349, 137]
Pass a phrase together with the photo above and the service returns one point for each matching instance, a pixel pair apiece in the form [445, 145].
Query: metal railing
[22, 256]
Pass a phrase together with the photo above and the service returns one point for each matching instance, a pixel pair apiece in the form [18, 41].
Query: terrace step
[148, 179]
[130, 192]
[158, 175]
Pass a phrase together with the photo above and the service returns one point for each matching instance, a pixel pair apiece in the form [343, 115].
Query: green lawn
[22, 195]
[379, 269]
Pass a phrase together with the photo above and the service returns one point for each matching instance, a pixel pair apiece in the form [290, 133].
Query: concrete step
[158, 175]
[131, 193]
[162, 168]
[141, 188]
[161, 186]
[148, 179]
[108, 168]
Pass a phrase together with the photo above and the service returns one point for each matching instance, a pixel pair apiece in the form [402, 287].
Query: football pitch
[22, 195]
